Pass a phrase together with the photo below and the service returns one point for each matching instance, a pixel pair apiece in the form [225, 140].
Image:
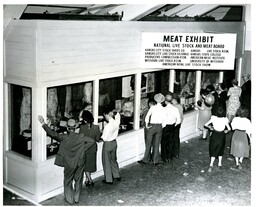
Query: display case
[184, 86]
[210, 78]
[20, 111]
[54, 60]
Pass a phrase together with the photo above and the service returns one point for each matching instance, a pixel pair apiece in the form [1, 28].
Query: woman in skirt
[217, 124]
[92, 131]
[240, 143]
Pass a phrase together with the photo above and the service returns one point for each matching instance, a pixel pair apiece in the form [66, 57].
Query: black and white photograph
[127, 103]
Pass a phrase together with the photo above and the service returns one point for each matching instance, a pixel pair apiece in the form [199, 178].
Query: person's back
[172, 114]
[240, 143]
[154, 121]
[92, 131]
[71, 156]
[234, 92]
[71, 147]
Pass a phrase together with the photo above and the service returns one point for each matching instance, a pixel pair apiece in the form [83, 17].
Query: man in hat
[172, 120]
[71, 156]
[245, 98]
[156, 115]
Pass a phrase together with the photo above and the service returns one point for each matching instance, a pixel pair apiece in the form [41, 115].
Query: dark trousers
[154, 135]
[167, 143]
[109, 161]
[151, 152]
[72, 194]
[176, 144]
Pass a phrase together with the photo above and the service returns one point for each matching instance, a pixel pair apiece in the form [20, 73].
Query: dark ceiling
[132, 12]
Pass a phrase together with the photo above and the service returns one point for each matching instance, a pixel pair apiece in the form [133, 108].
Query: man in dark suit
[71, 156]
[245, 98]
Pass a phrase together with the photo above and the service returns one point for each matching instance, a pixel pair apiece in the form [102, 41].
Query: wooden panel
[92, 48]
[53, 177]
[22, 74]
[131, 148]
[24, 178]
[20, 52]
[189, 124]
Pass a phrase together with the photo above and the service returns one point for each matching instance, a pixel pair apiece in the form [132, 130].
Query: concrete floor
[184, 181]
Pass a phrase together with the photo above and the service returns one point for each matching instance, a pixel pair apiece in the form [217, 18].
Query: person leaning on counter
[109, 135]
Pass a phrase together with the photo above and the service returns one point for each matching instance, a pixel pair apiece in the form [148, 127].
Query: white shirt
[110, 131]
[180, 108]
[172, 115]
[157, 113]
[242, 123]
[219, 123]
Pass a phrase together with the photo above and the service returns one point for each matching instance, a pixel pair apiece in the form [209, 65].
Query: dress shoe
[156, 164]
[105, 182]
[91, 184]
[210, 169]
[87, 184]
[176, 156]
[141, 162]
[169, 160]
[201, 138]
[220, 167]
[117, 179]
[71, 203]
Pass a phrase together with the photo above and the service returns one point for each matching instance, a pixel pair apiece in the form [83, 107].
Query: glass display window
[65, 102]
[21, 110]
[210, 78]
[151, 84]
[117, 93]
[184, 87]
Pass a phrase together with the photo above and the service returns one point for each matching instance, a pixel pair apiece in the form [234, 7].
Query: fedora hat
[72, 123]
[159, 98]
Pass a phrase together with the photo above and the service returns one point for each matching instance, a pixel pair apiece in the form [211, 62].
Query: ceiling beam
[196, 9]
[101, 9]
[175, 10]
[133, 12]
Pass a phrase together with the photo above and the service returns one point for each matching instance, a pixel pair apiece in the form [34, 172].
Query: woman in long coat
[92, 131]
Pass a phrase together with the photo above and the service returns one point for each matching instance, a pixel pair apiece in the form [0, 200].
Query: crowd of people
[162, 126]
[220, 111]
[228, 113]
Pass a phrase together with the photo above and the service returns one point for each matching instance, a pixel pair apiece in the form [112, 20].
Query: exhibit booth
[57, 68]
